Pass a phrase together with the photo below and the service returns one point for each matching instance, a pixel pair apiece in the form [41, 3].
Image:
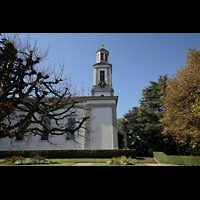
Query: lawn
[62, 164]
[72, 161]
[96, 161]
[84, 160]
[106, 164]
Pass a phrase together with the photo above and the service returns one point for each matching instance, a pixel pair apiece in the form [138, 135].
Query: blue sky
[136, 58]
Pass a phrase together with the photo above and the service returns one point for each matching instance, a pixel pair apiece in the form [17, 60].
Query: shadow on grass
[106, 164]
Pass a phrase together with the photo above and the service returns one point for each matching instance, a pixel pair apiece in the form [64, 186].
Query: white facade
[102, 125]
[102, 122]
[29, 141]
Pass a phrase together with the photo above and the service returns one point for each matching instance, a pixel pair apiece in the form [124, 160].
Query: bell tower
[102, 74]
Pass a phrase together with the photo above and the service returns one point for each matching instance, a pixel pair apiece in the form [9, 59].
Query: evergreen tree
[142, 123]
[132, 129]
[149, 114]
[120, 131]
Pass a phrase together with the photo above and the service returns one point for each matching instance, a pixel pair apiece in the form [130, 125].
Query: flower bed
[28, 161]
[120, 161]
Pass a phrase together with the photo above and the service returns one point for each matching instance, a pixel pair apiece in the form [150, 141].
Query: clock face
[102, 84]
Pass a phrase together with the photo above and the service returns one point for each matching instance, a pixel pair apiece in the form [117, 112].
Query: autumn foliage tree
[182, 102]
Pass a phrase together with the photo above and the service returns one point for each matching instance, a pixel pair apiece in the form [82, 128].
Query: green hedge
[177, 160]
[70, 153]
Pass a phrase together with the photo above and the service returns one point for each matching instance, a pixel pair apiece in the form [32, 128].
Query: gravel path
[82, 164]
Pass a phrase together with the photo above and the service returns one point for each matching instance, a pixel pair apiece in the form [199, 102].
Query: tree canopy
[142, 123]
[29, 93]
[182, 102]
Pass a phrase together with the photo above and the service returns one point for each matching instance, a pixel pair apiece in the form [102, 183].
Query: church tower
[102, 74]
[102, 105]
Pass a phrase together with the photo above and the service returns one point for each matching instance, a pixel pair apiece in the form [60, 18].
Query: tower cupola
[102, 55]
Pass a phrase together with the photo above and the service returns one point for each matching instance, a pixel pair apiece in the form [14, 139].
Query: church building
[101, 105]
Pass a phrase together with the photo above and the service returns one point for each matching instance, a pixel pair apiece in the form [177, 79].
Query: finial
[102, 46]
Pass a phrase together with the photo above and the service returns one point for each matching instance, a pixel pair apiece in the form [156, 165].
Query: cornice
[102, 63]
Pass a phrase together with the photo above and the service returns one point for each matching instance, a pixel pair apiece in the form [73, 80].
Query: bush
[177, 160]
[69, 153]
[120, 161]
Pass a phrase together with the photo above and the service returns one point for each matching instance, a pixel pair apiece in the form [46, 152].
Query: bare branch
[30, 93]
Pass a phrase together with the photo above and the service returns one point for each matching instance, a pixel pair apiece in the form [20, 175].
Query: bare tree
[30, 94]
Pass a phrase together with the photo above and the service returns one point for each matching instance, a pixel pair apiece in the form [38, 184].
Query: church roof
[77, 98]
[102, 49]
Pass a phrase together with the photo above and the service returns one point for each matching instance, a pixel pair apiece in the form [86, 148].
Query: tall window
[47, 123]
[106, 57]
[20, 136]
[71, 126]
[102, 75]
[101, 56]
[1, 128]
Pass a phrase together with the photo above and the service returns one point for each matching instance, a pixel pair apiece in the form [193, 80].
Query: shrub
[8, 161]
[177, 160]
[114, 161]
[120, 161]
[37, 157]
[126, 161]
[70, 153]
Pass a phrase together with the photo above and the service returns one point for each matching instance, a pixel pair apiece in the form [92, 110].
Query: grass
[72, 161]
[106, 164]
[62, 164]
[84, 160]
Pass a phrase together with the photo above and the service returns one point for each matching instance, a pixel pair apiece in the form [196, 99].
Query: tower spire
[102, 46]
